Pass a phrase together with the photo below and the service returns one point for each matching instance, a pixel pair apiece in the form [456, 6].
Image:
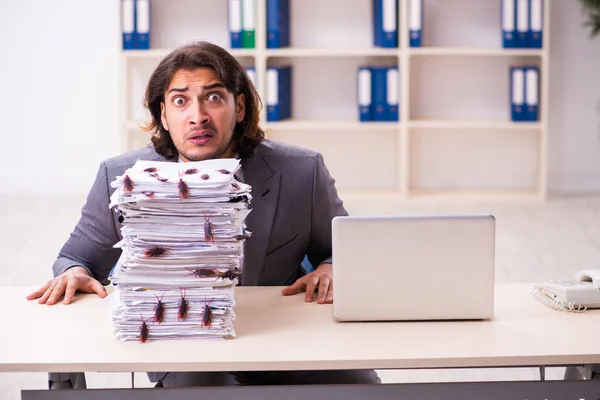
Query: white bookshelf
[454, 139]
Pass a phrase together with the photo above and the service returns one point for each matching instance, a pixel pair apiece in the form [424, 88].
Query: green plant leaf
[592, 10]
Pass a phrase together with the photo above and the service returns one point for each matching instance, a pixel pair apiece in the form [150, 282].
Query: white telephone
[577, 294]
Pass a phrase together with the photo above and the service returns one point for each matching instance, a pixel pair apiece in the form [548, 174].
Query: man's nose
[199, 114]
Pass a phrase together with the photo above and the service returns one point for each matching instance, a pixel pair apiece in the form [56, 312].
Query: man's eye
[178, 101]
[214, 97]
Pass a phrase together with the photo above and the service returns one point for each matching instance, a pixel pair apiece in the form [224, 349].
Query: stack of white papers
[183, 236]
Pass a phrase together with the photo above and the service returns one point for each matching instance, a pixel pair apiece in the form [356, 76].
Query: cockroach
[151, 169]
[184, 192]
[156, 251]
[191, 171]
[207, 315]
[150, 195]
[159, 310]
[224, 171]
[209, 231]
[235, 186]
[242, 237]
[144, 331]
[205, 177]
[231, 274]
[183, 307]
[201, 272]
[127, 183]
[155, 175]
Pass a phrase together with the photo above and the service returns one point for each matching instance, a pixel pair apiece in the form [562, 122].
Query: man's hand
[75, 278]
[319, 279]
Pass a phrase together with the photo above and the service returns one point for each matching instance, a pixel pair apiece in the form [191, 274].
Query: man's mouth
[201, 135]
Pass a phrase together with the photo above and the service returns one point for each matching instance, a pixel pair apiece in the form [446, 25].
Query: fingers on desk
[39, 292]
[57, 292]
[70, 292]
[325, 291]
[98, 288]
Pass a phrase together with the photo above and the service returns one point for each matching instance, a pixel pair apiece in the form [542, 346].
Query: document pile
[183, 235]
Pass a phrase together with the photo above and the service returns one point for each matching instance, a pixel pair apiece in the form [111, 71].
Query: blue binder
[142, 24]
[379, 93]
[392, 94]
[517, 93]
[509, 21]
[251, 72]
[128, 23]
[532, 93]
[234, 11]
[415, 22]
[536, 23]
[522, 23]
[385, 23]
[364, 84]
[278, 23]
[279, 93]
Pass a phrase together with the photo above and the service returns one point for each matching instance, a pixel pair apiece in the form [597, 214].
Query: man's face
[200, 114]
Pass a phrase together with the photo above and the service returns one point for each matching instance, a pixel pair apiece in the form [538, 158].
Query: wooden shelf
[472, 51]
[452, 79]
[473, 124]
[330, 125]
[331, 52]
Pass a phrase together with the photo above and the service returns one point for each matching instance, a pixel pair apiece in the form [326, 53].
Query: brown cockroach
[243, 236]
[231, 274]
[191, 171]
[209, 231]
[202, 272]
[184, 192]
[144, 330]
[155, 251]
[159, 310]
[183, 307]
[151, 169]
[205, 177]
[127, 184]
[150, 195]
[155, 175]
[235, 186]
[224, 171]
[207, 314]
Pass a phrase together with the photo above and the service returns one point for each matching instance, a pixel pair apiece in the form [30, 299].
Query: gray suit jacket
[293, 202]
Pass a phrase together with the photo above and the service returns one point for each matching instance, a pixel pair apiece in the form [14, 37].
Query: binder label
[235, 16]
[389, 16]
[531, 91]
[143, 16]
[272, 87]
[128, 25]
[536, 15]
[364, 87]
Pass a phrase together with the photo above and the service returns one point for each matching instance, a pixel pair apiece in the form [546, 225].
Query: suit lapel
[265, 195]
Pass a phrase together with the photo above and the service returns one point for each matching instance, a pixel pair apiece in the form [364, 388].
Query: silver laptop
[413, 268]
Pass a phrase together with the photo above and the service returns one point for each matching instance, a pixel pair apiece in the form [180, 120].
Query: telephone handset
[577, 294]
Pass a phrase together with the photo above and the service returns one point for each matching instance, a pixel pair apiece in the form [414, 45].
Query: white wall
[60, 79]
[574, 144]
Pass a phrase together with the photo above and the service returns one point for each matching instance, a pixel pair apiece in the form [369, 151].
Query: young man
[203, 106]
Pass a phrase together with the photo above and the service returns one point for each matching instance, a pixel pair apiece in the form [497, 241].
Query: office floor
[534, 242]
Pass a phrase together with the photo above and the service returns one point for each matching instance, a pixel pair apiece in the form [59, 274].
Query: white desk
[283, 333]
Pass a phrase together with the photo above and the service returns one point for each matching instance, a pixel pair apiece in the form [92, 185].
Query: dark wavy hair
[246, 135]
